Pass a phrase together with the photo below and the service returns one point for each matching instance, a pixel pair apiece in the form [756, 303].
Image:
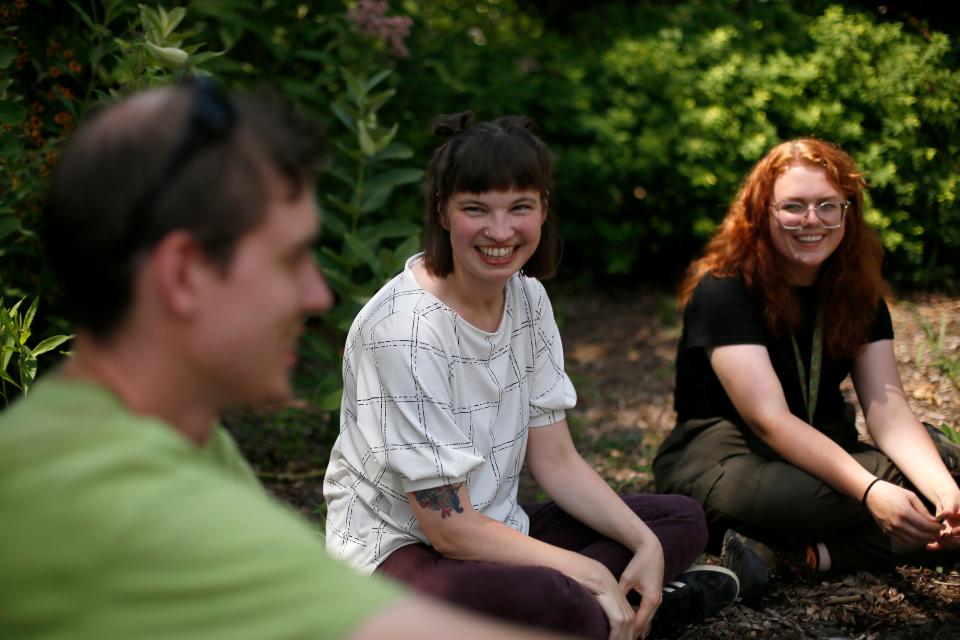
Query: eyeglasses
[212, 118]
[791, 213]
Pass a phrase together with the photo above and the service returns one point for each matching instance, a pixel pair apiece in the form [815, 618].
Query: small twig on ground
[844, 599]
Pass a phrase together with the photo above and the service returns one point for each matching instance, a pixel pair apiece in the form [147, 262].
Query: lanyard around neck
[811, 386]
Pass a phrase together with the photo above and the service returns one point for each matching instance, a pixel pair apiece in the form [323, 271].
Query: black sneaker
[700, 592]
[752, 561]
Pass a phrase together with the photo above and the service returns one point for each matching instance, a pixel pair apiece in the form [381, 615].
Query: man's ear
[179, 269]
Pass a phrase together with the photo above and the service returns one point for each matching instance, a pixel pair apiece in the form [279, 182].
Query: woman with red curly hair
[785, 303]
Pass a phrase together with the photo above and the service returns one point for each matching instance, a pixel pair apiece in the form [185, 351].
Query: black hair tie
[454, 124]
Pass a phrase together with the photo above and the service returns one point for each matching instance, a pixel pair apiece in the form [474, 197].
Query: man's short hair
[180, 158]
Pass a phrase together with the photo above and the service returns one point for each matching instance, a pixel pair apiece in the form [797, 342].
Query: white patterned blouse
[431, 400]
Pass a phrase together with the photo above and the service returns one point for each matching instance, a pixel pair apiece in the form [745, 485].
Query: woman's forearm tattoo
[443, 499]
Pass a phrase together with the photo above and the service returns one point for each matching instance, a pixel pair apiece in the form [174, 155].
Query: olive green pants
[742, 484]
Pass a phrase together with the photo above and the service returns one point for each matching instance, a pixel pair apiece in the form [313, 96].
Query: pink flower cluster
[369, 18]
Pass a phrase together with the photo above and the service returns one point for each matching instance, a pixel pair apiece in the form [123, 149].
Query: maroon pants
[544, 597]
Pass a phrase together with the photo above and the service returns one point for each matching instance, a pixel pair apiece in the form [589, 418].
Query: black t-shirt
[722, 311]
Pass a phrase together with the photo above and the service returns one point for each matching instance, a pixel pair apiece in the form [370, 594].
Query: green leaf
[395, 151]
[346, 115]
[199, 58]
[169, 57]
[5, 376]
[342, 206]
[375, 80]
[393, 229]
[395, 177]
[49, 344]
[339, 280]
[406, 249]
[375, 197]
[31, 313]
[331, 401]
[28, 370]
[9, 146]
[340, 175]
[376, 101]
[364, 252]
[367, 145]
[318, 347]
[7, 56]
[313, 55]
[83, 16]
[14, 314]
[150, 21]
[333, 223]
[8, 226]
[173, 19]
[385, 138]
[353, 154]
[12, 113]
[354, 87]
[394, 260]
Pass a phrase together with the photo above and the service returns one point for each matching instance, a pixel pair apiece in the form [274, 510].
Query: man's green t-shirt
[117, 526]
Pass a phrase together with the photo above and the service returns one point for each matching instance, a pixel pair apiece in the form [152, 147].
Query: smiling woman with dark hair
[785, 303]
[453, 378]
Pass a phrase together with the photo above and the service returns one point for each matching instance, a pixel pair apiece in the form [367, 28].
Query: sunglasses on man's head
[211, 119]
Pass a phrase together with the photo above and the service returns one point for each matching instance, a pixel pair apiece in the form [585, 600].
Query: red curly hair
[849, 281]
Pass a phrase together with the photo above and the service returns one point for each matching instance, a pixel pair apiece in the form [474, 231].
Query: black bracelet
[863, 500]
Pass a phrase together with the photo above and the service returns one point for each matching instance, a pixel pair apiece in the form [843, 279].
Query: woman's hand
[948, 514]
[902, 516]
[644, 574]
[619, 613]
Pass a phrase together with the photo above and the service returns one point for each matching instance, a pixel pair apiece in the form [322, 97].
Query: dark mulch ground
[620, 350]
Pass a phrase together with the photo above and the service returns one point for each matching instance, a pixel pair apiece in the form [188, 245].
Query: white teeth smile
[496, 252]
[811, 239]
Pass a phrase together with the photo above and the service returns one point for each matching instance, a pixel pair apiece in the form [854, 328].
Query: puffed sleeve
[551, 391]
[405, 403]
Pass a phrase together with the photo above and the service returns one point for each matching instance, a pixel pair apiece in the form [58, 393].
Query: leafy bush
[60, 60]
[680, 113]
[14, 333]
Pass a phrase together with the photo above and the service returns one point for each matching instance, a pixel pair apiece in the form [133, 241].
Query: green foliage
[58, 61]
[14, 333]
[365, 243]
[679, 112]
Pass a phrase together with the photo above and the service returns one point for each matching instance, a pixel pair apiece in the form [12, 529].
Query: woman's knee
[690, 512]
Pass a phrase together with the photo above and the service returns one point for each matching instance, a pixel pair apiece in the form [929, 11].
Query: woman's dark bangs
[499, 163]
